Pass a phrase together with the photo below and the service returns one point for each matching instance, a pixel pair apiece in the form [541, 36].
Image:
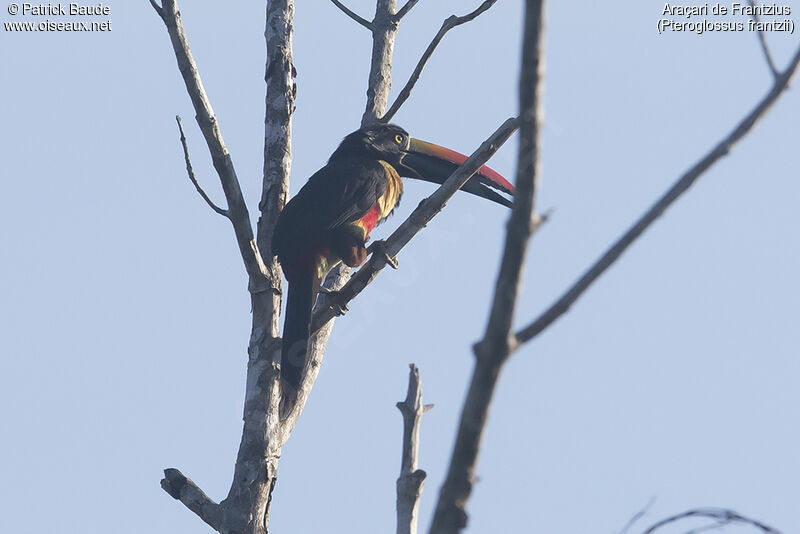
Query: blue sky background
[124, 316]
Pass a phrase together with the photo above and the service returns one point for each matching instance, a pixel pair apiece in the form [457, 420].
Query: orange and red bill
[434, 163]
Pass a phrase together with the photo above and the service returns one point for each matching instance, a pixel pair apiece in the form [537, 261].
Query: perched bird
[330, 219]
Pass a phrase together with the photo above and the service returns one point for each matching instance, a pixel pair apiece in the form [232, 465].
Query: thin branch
[721, 515]
[763, 40]
[192, 177]
[450, 22]
[183, 489]
[493, 350]
[158, 9]
[563, 304]
[415, 222]
[411, 479]
[361, 20]
[405, 9]
[207, 120]
[637, 516]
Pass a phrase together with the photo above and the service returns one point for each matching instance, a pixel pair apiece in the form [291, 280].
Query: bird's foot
[379, 247]
[331, 298]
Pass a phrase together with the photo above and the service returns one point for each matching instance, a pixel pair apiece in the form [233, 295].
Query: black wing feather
[341, 192]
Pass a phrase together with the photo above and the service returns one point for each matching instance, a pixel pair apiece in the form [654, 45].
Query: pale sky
[125, 319]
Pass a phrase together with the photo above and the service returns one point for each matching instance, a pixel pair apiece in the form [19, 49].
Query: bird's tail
[296, 324]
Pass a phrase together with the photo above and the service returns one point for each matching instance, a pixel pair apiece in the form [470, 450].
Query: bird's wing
[344, 192]
[339, 193]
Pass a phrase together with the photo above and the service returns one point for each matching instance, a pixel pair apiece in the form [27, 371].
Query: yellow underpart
[386, 204]
[394, 188]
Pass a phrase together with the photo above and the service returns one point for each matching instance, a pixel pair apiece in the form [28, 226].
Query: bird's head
[413, 158]
[388, 142]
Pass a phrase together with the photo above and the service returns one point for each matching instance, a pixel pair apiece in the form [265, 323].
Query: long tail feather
[299, 303]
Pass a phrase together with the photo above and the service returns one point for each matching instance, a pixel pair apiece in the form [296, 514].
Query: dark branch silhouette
[192, 177]
[347, 11]
[562, 305]
[450, 22]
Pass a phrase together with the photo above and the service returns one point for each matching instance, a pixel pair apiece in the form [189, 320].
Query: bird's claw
[339, 309]
[379, 247]
[331, 295]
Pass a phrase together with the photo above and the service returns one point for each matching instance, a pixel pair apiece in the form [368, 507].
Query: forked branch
[158, 8]
[492, 351]
[207, 121]
[409, 483]
[763, 42]
[450, 22]
[563, 304]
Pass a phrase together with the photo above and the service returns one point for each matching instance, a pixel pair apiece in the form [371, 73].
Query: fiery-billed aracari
[330, 219]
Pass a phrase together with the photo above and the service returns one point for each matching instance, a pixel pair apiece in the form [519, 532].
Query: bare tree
[247, 506]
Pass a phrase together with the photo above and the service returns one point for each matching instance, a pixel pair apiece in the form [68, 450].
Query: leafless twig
[450, 22]
[158, 9]
[763, 40]
[190, 171]
[636, 517]
[562, 305]
[415, 222]
[409, 483]
[347, 11]
[405, 9]
[207, 120]
[492, 351]
[721, 515]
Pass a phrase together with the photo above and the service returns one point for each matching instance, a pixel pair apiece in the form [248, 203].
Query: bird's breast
[386, 203]
[394, 190]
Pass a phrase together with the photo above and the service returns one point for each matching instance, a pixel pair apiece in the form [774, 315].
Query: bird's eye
[399, 139]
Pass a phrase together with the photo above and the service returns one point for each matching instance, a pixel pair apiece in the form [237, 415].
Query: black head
[413, 158]
[382, 141]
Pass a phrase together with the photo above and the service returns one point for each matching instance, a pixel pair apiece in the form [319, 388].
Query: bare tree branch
[186, 491]
[562, 305]
[246, 508]
[492, 351]
[250, 497]
[636, 517]
[361, 20]
[384, 31]
[415, 222]
[190, 171]
[207, 120]
[450, 22]
[158, 9]
[763, 41]
[409, 484]
[405, 9]
[722, 516]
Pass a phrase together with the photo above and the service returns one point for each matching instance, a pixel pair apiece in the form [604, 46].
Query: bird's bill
[433, 163]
